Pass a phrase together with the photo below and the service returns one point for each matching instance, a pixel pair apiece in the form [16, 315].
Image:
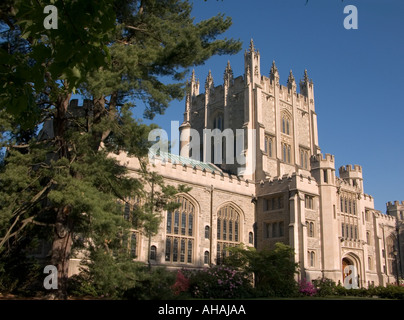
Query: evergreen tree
[115, 53]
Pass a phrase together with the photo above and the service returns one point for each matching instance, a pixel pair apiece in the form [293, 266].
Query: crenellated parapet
[395, 209]
[320, 160]
[395, 203]
[352, 175]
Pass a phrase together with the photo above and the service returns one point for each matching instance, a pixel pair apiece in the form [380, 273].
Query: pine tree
[115, 53]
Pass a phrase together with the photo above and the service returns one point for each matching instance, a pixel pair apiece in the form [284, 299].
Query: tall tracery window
[218, 122]
[286, 153]
[390, 244]
[228, 230]
[285, 124]
[304, 158]
[180, 233]
[268, 145]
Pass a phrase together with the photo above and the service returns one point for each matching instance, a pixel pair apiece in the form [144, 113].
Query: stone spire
[209, 81]
[306, 84]
[291, 81]
[228, 74]
[274, 74]
[251, 49]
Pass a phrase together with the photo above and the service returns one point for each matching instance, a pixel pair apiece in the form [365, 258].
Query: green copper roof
[173, 158]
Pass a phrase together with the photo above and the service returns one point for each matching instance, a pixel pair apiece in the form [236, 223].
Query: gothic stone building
[292, 194]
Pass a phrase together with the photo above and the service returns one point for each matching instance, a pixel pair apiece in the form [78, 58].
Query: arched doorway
[350, 262]
[345, 262]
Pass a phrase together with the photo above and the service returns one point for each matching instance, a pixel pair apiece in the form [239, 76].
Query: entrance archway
[345, 262]
[350, 261]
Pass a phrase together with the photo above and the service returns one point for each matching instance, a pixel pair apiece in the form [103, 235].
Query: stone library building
[278, 187]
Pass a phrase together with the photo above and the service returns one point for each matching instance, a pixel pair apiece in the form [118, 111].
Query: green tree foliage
[35, 59]
[115, 53]
[273, 270]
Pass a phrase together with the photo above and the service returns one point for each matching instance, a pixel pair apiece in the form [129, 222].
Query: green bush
[391, 292]
[154, 284]
[274, 270]
[325, 287]
[20, 274]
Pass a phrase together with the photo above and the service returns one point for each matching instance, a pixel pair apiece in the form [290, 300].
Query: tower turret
[352, 175]
[323, 168]
[252, 64]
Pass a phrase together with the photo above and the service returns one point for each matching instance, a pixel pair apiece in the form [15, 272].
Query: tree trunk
[62, 243]
[61, 249]
[60, 123]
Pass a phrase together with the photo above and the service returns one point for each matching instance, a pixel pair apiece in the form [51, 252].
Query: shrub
[181, 284]
[274, 270]
[391, 292]
[154, 284]
[325, 287]
[307, 288]
[218, 282]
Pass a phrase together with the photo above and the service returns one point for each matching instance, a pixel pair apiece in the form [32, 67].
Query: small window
[127, 211]
[268, 146]
[206, 257]
[308, 202]
[311, 257]
[207, 232]
[153, 253]
[251, 238]
[133, 245]
[311, 229]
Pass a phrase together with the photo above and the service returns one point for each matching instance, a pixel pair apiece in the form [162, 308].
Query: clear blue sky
[358, 75]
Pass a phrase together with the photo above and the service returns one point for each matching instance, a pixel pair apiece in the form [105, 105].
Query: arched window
[180, 235]
[133, 245]
[153, 253]
[311, 229]
[250, 238]
[268, 141]
[285, 124]
[304, 155]
[218, 122]
[311, 258]
[207, 232]
[206, 257]
[228, 230]
[286, 153]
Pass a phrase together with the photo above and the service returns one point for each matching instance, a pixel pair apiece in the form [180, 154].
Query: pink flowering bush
[218, 282]
[307, 288]
[181, 283]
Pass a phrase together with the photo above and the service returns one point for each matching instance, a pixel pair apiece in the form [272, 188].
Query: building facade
[278, 188]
